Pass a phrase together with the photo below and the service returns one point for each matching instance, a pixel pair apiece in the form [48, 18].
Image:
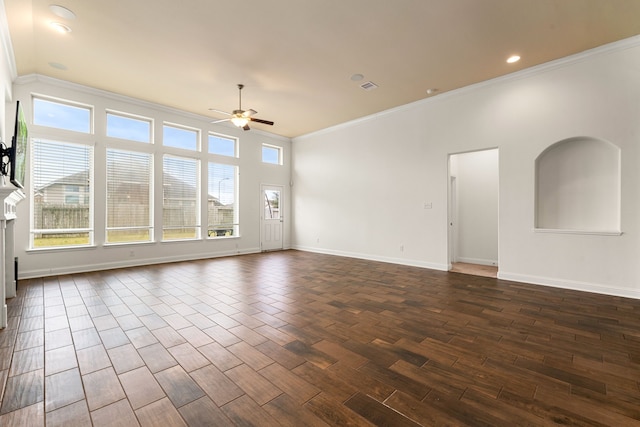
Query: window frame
[235, 141]
[279, 150]
[198, 138]
[150, 121]
[198, 202]
[63, 102]
[94, 200]
[213, 229]
[90, 204]
[150, 220]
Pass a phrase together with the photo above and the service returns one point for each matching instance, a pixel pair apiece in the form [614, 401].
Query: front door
[271, 221]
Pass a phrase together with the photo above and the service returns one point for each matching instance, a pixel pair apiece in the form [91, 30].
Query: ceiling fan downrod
[240, 86]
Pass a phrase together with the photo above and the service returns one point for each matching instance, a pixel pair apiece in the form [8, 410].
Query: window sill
[61, 248]
[120, 244]
[581, 232]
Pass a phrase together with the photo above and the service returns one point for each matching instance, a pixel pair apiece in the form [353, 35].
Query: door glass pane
[271, 204]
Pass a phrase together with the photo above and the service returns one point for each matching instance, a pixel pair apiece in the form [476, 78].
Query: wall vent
[369, 86]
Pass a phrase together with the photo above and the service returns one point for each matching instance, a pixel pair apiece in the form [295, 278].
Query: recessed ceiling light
[60, 27]
[62, 11]
[513, 58]
[432, 91]
[357, 77]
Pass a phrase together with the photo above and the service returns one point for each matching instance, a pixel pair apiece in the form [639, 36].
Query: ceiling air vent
[368, 86]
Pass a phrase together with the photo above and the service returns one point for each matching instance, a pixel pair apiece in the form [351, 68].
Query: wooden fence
[60, 216]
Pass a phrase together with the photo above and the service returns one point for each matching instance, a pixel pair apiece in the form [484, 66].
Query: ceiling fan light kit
[239, 120]
[240, 117]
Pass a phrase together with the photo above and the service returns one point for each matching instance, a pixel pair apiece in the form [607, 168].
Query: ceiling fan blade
[265, 122]
[249, 112]
[245, 127]
[219, 111]
[220, 121]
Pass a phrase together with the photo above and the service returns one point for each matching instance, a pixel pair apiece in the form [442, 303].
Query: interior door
[272, 219]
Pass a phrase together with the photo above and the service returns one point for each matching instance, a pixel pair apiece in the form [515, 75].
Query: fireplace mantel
[10, 197]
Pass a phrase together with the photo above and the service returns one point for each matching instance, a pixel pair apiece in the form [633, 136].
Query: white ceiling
[296, 57]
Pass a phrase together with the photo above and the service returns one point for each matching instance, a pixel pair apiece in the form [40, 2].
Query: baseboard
[370, 257]
[479, 261]
[570, 284]
[31, 274]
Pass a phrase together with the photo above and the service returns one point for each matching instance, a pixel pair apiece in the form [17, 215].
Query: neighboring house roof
[173, 187]
[78, 178]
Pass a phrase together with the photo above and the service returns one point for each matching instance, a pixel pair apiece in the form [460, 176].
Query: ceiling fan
[240, 117]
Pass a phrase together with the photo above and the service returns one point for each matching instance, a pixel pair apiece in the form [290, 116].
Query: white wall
[476, 194]
[7, 70]
[6, 75]
[253, 173]
[360, 188]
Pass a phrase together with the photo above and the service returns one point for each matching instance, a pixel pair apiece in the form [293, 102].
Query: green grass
[57, 241]
[178, 234]
[116, 236]
[121, 236]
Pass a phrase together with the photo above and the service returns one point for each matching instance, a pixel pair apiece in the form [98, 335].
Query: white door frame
[452, 221]
[452, 211]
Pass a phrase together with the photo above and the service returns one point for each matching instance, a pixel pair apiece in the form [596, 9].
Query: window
[222, 145]
[181, 219]
[221, 204]
[271, 154]
[71, 199]
[129, 178]
[180, 137]
[62, 115]
[62, 177]
[128, 127]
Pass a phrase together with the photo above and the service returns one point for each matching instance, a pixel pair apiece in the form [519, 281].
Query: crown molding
[599, 51]
[64, 84]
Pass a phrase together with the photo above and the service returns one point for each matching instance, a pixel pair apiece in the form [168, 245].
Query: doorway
[271, 220]
[473, 212]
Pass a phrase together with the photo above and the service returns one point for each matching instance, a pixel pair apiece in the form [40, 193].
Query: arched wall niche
[578, 187]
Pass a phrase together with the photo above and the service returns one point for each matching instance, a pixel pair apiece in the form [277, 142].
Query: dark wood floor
[301, 339]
